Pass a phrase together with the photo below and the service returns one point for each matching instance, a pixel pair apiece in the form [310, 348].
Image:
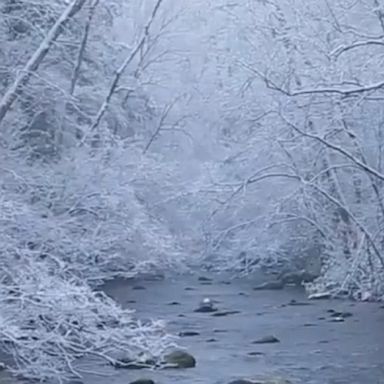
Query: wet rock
[225, 313]
[206, 309]
[297, 278]
[270, 285]
[269, 339]
[142, 381]
[138, 288]
[320, 296]
[261, 380]
[204, 279]
[188, 333]
[2, 366]
[206, 306]
[337, 320]
[180, 359]
[293, 302]
[343, 315]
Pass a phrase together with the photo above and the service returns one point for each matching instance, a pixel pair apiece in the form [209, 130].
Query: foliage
[149, 136]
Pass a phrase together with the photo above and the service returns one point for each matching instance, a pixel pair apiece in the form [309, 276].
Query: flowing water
[313, 348]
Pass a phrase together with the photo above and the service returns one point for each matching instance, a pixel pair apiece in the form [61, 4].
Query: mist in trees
[157, 136]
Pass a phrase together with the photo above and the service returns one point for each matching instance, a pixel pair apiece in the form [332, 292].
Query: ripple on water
[310, 351]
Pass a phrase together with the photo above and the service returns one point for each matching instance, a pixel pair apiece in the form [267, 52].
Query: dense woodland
[155, 136]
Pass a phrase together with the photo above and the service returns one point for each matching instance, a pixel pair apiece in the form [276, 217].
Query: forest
[157, 137]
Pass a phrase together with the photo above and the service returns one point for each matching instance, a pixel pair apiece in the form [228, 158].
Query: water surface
[313, 349]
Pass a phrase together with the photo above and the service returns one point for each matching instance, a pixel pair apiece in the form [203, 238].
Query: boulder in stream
[206, 306]
[261, 380]
[138, 288]
[142, 381]
[225, 313]
[341, 314]
[179, 359]
[269, 339]
[204, 279]
[188, 333]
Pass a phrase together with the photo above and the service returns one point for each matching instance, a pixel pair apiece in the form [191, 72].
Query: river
[314, 348]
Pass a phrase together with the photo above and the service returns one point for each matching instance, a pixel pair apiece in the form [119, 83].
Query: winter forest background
[156, 136]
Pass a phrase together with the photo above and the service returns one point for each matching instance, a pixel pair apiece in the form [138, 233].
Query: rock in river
[204, 279]
[142, 381]
[261, 380]
[188, 333]
[206, 306]
[138, 288]
[343, 315]
[225, 313]
[267, 340]
[180, 359]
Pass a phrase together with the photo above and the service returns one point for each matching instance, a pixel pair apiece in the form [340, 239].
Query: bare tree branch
[336, 148]
[34, 62]
[163, 118]
[121, 69]
[83, 44]
[345, 48]
[315, 91]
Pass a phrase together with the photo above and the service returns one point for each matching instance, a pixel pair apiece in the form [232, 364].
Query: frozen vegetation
[157, 136]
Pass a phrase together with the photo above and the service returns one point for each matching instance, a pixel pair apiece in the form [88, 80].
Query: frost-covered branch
[49, 321]
[338, 149]
[120, 71]
[345, 48]
[83, 44]
[316, 91]
[38, 56]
